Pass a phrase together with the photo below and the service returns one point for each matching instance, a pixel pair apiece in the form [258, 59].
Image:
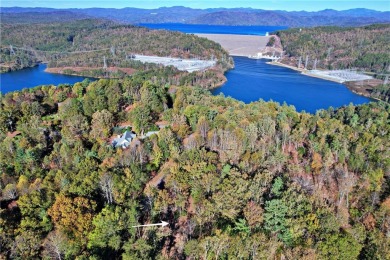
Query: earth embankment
[239, 45]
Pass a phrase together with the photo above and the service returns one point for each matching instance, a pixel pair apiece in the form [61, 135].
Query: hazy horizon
[284, 5]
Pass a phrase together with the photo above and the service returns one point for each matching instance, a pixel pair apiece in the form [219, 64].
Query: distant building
[124, 140]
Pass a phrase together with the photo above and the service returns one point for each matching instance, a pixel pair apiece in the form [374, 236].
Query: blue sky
[289, 5]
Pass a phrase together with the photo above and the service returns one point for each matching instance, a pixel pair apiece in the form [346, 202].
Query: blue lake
[215, 29]
[32, 77]
[249, 81]
[252, 80]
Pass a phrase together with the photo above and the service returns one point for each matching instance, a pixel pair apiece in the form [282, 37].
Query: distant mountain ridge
[225, 16]
[41, 17]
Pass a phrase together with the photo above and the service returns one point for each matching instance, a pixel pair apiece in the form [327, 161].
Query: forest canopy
[365, 48]
[84, 46]
[252, 181]
[233, 180]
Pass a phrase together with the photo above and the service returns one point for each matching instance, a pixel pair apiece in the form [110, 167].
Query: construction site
[189, 65]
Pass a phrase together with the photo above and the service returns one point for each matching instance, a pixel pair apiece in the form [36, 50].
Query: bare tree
[206, 246]
[203, 127]
[213, 140]
[220, 244]
[345, 181]
[54, 245]
[225, 139]
[107, 186]
[251, 132]
[328, 55]
[191, 142]
[141, 154]
[306, 62]
[9, 192]
[190, 227]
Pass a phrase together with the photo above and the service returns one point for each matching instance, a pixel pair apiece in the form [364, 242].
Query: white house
[124, 140]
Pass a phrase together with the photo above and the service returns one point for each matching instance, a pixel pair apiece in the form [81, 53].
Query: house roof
[124, 140]
[128, 135]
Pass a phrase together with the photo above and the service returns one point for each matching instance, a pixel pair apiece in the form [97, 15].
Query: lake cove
[32, 77]
[252, 79]
[249, 81]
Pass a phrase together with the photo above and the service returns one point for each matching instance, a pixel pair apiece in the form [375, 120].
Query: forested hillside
[223, 16]
[234, 181]
[40, 16]
[363, 48]
[284, 18]
[80, 47]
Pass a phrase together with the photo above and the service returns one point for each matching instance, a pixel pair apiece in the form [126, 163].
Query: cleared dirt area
[239, 45]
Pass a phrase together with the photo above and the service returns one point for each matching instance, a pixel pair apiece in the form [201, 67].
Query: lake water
[215, 29]
[32, 77]
[252, 80]
[249, 81]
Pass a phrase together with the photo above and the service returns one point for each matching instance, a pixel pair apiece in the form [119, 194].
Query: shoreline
[322, 77]
[71, 74]
[221, 83]
[304, 72]
[226, 41]
[275, 63]
[60, 70]
[47, 70]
